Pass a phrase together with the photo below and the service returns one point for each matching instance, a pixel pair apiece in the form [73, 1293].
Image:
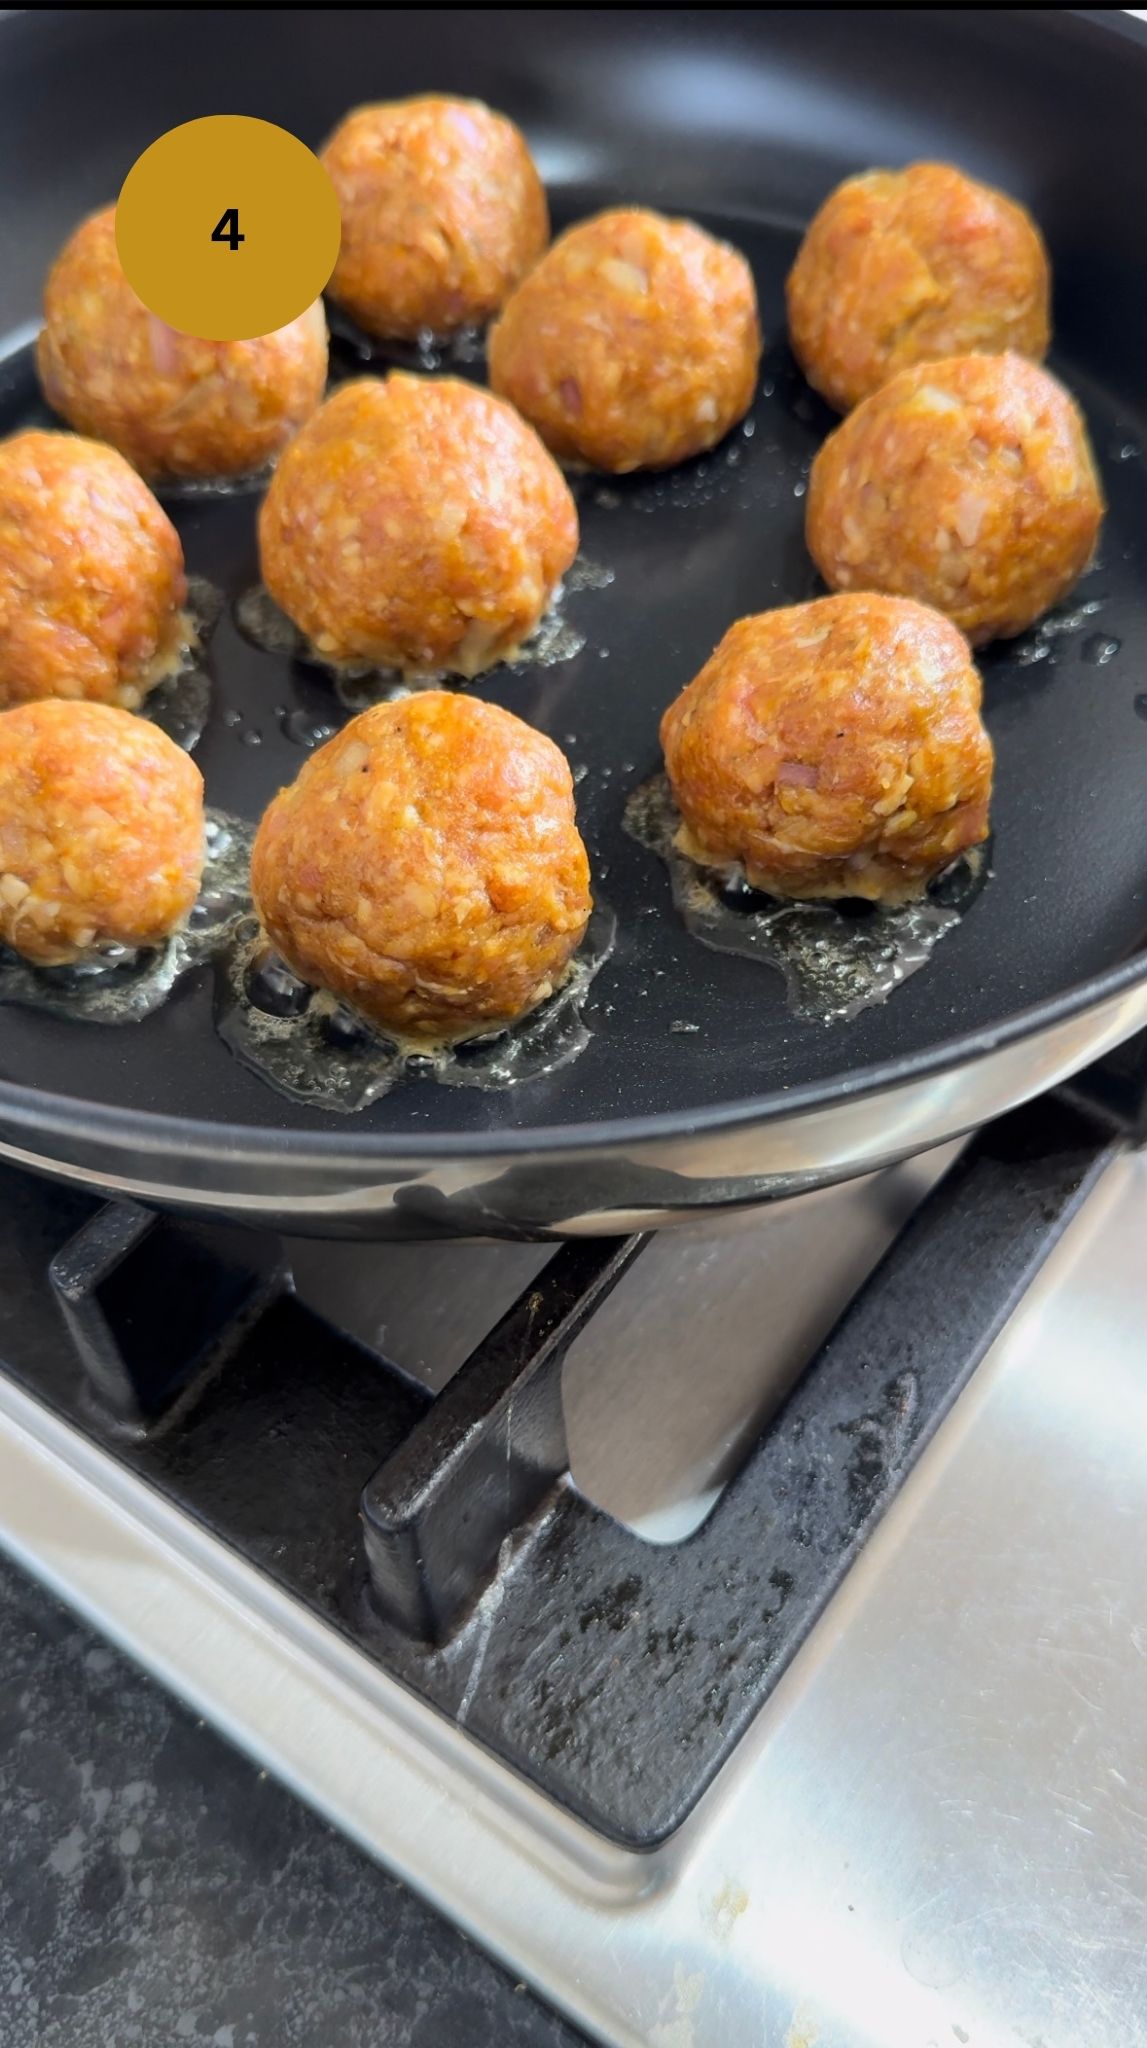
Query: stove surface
[930, 1827]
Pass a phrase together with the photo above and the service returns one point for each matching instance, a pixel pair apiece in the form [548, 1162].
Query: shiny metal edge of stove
[86, 1525]
[686, 1948]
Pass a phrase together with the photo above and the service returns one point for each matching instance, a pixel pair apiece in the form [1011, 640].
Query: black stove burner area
[444, 1536]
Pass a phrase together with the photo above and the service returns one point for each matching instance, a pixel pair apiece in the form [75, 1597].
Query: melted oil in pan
[356, 685]
[120, 985]
[302, 1041]
[1042, 642]
[302, 729]
[583, 574]
[185, 490]
[553, 641]
[837, 959]
[181, 704]
[316, 1050]
[359, 685]
[426, 354]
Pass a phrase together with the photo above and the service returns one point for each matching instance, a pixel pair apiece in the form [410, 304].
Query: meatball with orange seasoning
[967, 484]
[633, 345]
[416, 523]
[833, 749]
[174, 405]
[101, 831]
[426, 867]
[442, 213]
[91, 575]
[903, 267]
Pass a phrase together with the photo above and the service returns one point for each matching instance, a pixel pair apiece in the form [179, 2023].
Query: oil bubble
[1099, 649]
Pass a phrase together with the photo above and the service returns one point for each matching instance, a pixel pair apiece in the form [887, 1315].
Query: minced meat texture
[426, 866]
[833, 749]
[633, 345]
[903, 267]
[417, 523]
[442, 213]
[101, 830]
[91, 574]
[968, 485]
[175, 405]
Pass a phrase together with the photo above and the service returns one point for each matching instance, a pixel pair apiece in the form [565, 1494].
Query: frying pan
[744, 121]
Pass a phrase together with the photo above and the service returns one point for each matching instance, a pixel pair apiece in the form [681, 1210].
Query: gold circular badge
[227, 227]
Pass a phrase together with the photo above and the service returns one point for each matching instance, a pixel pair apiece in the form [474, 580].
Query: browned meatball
[967, 484]
[833, 749]
[634, 343]
[416, 523]
[101, 831]
[426, 866]
[442, 213]
[175, 406]
[903, 267]
[91, 574]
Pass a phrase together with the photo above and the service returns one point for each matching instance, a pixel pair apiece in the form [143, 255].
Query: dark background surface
[156, 1889]
[745, 120]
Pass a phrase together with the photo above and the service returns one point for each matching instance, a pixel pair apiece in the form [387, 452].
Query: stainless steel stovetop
[934, 1830]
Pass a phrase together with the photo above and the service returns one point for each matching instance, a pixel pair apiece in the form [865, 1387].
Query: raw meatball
[634, 343]
[173, 405]
[903, 267]
[426, 866]
[101, 831]
[967, 484]
[416, 523]
[442, 213]
[91, 574]
[833, 749]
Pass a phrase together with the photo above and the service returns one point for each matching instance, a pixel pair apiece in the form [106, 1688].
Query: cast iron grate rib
[445, 1537]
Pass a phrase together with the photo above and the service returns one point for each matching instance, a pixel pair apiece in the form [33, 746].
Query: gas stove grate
[444, 1536]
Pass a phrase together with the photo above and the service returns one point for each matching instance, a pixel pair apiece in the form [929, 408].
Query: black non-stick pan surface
[743, 120]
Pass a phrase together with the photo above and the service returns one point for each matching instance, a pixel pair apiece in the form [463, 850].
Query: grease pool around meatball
[101, 831]
[833, 749]
[427, 868]
[633, 344]
[967, 484]
[442, 213]
[416, 523]
[174, 405]
[903, 267]
[91, 575]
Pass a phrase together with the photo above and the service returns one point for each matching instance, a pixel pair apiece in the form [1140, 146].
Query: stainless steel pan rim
[598, 1179]
[180, 1137]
